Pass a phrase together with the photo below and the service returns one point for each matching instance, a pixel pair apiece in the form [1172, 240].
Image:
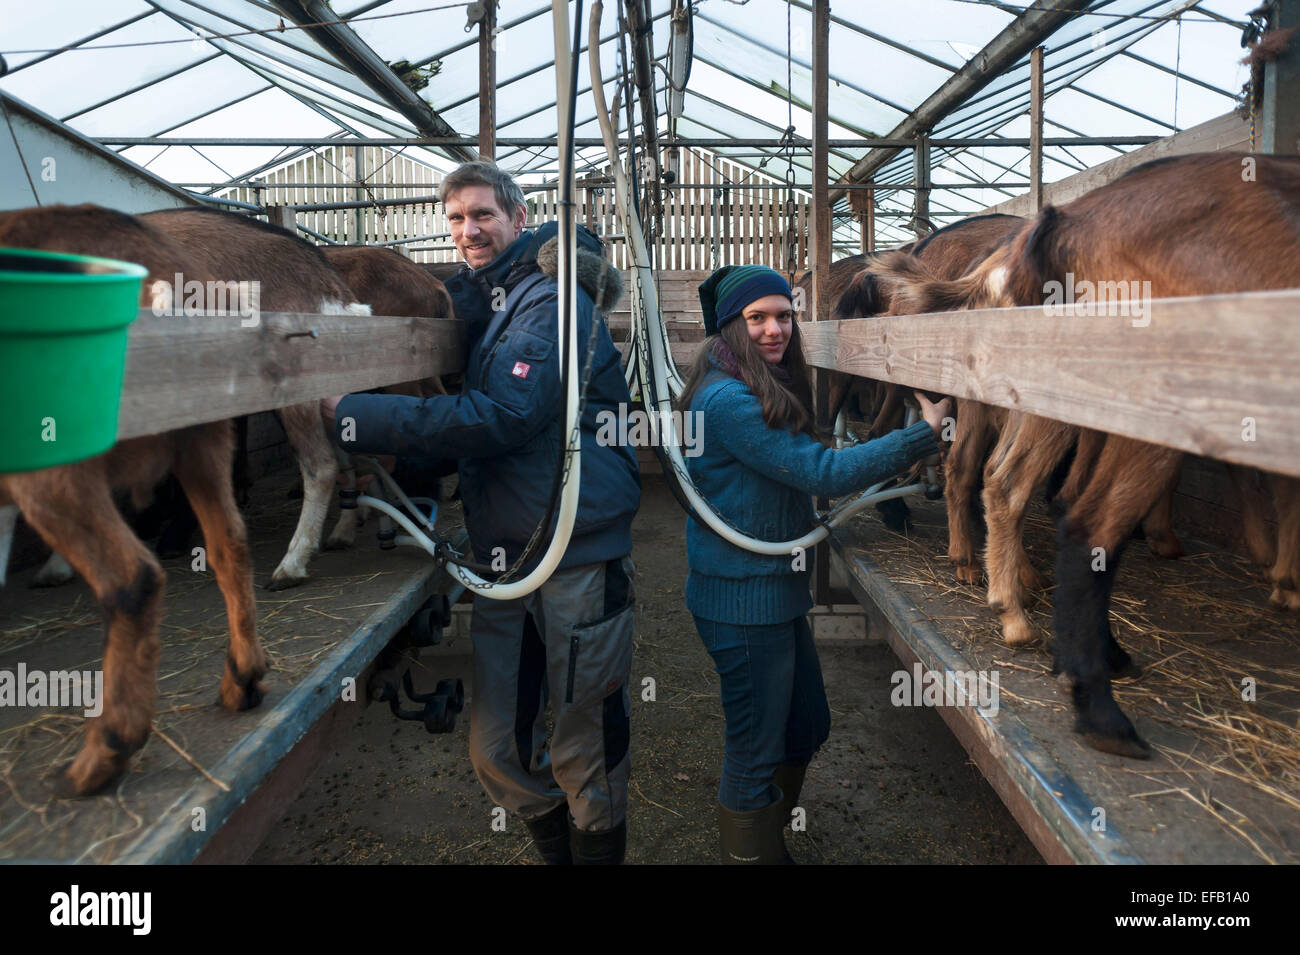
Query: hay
[1191, 674]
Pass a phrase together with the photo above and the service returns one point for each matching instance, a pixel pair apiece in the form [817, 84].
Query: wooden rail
[1213, 375]
[187, 370]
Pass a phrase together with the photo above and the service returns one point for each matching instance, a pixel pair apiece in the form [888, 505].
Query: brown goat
[391, 284]
[72, 508]
[293, 276]
[950, 252]
[1188, 225]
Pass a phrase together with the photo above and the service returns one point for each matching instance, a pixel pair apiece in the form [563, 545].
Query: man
[571, 640]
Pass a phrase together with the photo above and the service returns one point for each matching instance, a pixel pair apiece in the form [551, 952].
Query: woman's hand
[934, 414]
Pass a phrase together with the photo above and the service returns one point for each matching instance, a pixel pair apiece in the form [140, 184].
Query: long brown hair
[787, 406]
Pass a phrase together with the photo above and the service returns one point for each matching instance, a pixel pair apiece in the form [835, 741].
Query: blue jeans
[774, 702]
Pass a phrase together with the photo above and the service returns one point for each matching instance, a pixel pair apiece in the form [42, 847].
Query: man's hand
[934, 413]
[328, 407]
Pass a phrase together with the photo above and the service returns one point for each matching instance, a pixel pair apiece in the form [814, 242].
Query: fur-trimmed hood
[598, 277]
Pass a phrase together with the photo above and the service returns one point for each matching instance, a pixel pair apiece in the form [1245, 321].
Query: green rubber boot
[753, 837]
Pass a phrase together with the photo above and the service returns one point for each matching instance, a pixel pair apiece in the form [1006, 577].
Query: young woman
[760, 466]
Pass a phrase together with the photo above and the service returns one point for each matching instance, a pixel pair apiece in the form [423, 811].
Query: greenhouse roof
[244, 69]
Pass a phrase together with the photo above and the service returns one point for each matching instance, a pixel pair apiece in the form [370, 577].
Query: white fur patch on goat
[996, 282]
[338, 308]
[54, 572]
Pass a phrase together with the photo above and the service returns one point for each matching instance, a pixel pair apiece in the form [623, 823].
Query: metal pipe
[358, 57]
[587, 142]
[1019, 37]
[364, 204]
[546, 187]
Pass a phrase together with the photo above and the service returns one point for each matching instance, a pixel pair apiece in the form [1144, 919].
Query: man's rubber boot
[753, 837]
[602, 847]
[551, 835]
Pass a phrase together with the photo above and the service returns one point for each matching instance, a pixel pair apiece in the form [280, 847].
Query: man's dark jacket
[504, 428]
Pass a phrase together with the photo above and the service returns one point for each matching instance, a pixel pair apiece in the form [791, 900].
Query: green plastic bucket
[63, 330]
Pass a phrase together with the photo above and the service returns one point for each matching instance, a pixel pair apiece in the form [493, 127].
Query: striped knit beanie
[725, 293]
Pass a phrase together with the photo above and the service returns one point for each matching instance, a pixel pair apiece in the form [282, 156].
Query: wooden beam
[1213, 375]
[487, 82]
[186, 370]
[1036, 129]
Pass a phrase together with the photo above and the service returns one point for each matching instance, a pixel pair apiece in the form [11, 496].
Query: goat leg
[72, 509]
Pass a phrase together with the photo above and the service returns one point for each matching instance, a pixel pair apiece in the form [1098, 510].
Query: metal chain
[787, 140]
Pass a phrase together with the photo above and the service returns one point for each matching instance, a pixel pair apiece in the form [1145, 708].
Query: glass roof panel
[292, 51]
[170, 102]
[75, 79]
[741, 62]
[947, 31]
[418, 31]
[57, 23]
[766, 71]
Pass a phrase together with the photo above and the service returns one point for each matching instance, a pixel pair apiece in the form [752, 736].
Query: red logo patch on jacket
[521, 369]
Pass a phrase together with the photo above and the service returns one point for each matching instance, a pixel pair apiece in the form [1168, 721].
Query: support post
[358, 195]
[1036, 129]
[286, 217]
[921, 173]
[862, 203]
[821, 245]
[1281, 107]
[487, 82]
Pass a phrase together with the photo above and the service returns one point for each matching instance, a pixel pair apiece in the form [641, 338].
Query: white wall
[66, 167]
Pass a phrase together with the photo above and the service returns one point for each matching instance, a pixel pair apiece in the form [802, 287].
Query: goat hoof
[968, 573]
[1168, 549]
[242, 690]
[1018, 631]
[1103, 725]
[338, 543]
[1127, 669]
[1133, 747]
[239, 698]
[65, 786]
[284, 582]
[87, 775]
[1285, 599]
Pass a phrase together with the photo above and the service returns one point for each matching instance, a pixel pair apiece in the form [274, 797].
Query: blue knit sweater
[762, 480]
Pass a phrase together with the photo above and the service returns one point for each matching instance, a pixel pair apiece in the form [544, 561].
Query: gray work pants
[569, 642]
